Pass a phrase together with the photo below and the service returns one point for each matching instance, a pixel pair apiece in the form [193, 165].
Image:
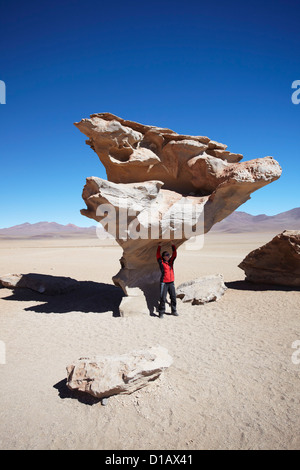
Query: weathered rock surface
[166, 186]
[133, 152]
[103, 376]
[42, 283]
[202, 290]
[276, 262]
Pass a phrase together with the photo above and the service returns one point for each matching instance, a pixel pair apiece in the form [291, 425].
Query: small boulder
[103, 376]
[202, 290]
[276, 262]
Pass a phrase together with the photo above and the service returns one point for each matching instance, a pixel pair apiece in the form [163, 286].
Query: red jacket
[166, 267]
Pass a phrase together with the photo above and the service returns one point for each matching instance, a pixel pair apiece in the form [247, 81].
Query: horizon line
[94, 222]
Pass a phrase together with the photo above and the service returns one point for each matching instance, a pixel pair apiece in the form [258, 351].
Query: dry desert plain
[232, 385]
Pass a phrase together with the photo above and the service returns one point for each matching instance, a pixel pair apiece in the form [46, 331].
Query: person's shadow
[86, 296]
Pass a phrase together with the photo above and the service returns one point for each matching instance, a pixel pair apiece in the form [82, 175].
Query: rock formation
[202, 290]
[103, 376]
[277, 262]
[162, 187]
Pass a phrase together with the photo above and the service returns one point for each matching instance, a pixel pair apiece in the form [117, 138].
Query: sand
[233, 384]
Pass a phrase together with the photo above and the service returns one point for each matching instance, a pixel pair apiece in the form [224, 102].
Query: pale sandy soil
[232, 385]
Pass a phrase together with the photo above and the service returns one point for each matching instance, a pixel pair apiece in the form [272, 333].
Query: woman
[167, 280]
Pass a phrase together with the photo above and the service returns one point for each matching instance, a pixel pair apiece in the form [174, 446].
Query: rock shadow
[88, 296]
[64, 392]
[251, 286]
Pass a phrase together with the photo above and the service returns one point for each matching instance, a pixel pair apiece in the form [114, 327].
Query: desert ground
[232, 385]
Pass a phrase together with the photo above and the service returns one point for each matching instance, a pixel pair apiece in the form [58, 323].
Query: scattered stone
[104, 376]
[276, 262]
[202, 290]
[42, 283]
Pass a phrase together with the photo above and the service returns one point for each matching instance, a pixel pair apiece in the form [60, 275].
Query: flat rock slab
[42, 283]
[134, 303]
[103, 376]
[277, 262]
[202, 290]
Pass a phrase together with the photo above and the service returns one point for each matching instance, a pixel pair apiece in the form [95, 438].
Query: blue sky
[222, 69]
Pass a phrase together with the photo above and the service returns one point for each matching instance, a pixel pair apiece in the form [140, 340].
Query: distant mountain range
[47, 230]
[238, 222]
[235, 223]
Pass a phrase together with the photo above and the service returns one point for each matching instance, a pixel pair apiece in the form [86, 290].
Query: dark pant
[166, 287]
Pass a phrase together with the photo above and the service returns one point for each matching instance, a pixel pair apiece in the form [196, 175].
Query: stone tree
[161, 187]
